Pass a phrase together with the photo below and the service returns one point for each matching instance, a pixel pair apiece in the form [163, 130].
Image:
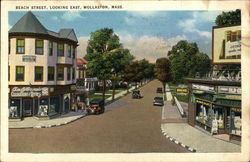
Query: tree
[186, 60]
[101, 43]
[162, 71]
[131, 72]
[146, 69]
[229, 18]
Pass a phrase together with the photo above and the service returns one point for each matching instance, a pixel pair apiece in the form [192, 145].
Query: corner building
[42, 66]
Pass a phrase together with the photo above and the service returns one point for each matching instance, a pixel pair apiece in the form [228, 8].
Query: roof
[81, 61]
[30, 24]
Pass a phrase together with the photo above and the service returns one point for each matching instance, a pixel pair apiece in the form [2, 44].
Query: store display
[13, 111]
[43, 110]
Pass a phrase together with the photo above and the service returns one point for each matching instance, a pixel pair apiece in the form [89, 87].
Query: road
[127, 126]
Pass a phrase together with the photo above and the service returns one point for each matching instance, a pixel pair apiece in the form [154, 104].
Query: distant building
[42, 66]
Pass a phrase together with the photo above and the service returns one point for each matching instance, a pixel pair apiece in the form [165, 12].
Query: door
[27, 107]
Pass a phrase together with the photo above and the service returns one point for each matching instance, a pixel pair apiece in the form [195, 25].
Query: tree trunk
[113, 86]
[164, 86]
[103, 89]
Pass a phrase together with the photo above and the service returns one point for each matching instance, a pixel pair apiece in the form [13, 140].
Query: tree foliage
[186, 61]
[229, 18]
[163, 71]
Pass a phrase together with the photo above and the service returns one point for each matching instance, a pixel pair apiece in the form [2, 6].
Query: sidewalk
[32, 122]
[195, 140]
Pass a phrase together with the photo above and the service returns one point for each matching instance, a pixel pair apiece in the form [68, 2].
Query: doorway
[27, 107]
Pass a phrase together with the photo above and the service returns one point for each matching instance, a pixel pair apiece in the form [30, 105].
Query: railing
[179, 107]
[221, 75]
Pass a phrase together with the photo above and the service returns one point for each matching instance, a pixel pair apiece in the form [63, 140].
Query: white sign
[29, 92]
[202, 87]
[233, 48]
[229, 89]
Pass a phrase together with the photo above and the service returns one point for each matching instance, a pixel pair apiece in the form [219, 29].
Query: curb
[177, 142]
[54, 125]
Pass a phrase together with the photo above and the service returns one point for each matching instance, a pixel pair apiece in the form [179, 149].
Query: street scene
[88, 84]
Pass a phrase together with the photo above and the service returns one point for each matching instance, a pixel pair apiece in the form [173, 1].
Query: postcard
[125, 81]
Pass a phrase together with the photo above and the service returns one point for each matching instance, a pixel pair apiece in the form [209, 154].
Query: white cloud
[133, 16]
[149, 47]
[190, 25]
[71, 15]
[81, 49]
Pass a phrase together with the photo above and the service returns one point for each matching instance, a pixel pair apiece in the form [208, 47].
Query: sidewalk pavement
[33, 122]
[176, 129]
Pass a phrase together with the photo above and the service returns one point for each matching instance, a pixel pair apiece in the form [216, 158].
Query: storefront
[39, 101]
[215, 108]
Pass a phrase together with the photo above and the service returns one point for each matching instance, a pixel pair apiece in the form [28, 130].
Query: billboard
[227, 44]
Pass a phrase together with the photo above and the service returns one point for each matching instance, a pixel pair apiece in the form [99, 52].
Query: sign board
[203, 87]
[29, 58]
[29, 91]
[204, 103]
[181, 91]
[227, 44]
[229, 89]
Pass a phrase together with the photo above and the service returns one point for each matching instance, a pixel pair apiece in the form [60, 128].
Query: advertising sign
[229, 89]
[203, 87]
[181, 91]
[29, 91]
[227, 44]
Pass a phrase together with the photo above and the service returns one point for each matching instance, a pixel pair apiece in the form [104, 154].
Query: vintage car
[159, 90]
[158, 101]
[136, 94]
[96, 106]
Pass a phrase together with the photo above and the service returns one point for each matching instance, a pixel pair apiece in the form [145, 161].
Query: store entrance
[27, 107]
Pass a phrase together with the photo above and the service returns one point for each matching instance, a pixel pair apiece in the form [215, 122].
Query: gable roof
[30, 24]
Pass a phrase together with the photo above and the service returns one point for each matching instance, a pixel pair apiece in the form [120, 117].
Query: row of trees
[109, 60]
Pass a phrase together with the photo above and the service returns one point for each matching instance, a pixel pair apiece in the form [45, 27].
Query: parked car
[136, 94]
[159, 90]
[96, 106]
[158, 101]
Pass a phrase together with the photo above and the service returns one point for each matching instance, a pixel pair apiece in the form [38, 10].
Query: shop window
[54, 105]
[69, 50]
[38, 73]
[68, 73]
[14, 108]
[236, 121]
[219, 117]
[20, 46]
[50, 48]
[43, 107]
[19, 73]
[51, 73]
[204, 113]
[60, 49]
[39, 47]
[60, 73]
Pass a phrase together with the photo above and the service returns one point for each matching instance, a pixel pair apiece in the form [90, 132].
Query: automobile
[136, 94]
[159, 90]
[96, 106]
[158, 101]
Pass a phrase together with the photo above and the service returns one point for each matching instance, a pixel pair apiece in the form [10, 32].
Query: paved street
[130, 125]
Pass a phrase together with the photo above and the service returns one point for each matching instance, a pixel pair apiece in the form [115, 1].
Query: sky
[147, 34]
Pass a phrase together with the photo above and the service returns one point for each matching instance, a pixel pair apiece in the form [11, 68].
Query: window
[20, 46]
[69, 50]
[60, 73]
[60, 49]
[38, 73]
[51, 73]
[39, 47]
[74, 52]
[8, 73]
[73, 73]
[20, 73]
[50, 48]
[68, 73]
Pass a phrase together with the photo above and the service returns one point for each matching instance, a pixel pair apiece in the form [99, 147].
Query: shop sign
[181, 91]
[230, 97]
[204, 103]
[29, 58]
[236, 109]
[29, 92]
[203, 87]
[73, 87]
[229, 89]
[232, 48]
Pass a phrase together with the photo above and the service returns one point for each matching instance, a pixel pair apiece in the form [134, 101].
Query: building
[215, 101]
[42, 66]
